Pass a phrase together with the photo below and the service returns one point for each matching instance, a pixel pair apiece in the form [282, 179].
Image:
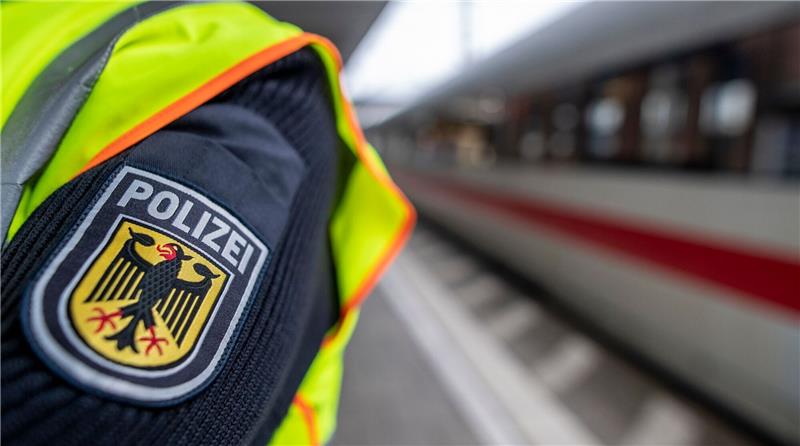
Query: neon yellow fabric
[321, 388]
[356, 244]
[293, 430]
[365, 224]
[171, 54]
[152, 65]
[35, 33]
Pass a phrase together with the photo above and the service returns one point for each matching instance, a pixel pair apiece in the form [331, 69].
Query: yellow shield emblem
[145, 299]
[145, 295]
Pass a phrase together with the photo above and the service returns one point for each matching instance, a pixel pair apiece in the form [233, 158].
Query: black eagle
[157, 287]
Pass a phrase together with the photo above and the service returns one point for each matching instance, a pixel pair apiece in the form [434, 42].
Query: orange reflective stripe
[370, 281]
[354, 301]
[308, 417]
[380, 267]
[232, 76]
[199, 96]
[384, 180]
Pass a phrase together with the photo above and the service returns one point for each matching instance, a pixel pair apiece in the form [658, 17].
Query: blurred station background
[609, 241]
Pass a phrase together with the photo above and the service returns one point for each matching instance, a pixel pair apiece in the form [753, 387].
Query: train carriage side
[660, 201]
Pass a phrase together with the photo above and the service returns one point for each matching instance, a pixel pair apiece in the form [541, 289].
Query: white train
[700, 276]
[656, 195]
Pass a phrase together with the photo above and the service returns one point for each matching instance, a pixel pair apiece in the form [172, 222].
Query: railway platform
[453, 351]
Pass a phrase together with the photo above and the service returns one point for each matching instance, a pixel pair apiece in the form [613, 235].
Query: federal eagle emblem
[147, 292]
[146, 298]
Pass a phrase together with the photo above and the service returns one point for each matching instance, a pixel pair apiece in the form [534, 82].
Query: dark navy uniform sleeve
[259, 166]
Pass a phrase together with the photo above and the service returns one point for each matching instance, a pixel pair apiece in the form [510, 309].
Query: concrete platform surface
[450, 353]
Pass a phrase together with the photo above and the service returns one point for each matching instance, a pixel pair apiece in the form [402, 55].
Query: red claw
[104, 319]
[153, 342]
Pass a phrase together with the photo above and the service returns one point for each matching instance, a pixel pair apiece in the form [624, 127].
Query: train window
[727, 108]
[532, 145]
[776, 147]
[663, 115]
[565, 117]
[473, 147]
[605, 118]
[562, 143]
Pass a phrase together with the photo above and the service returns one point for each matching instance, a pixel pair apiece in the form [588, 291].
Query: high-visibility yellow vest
[163, 67]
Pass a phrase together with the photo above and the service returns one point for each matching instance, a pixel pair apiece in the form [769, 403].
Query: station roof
[596, 38]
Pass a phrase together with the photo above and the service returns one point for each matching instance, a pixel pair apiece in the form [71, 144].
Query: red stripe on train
[765, 278]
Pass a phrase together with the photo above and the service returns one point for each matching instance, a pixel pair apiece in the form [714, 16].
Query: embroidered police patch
[144, 296]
